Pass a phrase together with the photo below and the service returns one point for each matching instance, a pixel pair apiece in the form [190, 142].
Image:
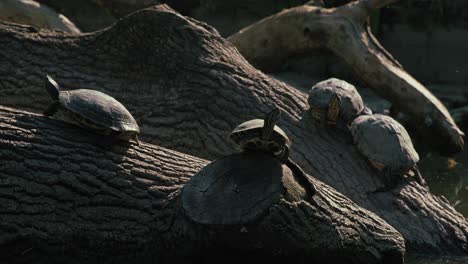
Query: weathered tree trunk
[62, 195]
[188, 87]
[343, 30]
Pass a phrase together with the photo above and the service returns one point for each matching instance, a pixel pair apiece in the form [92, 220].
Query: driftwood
[63, 196]
[33, 13]
[344, 30]
[188, 87]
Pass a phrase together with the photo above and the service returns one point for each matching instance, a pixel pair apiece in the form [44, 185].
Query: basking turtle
[225, 193]
[336, 102]
[387, 146]
[93, 110]
[265, 136]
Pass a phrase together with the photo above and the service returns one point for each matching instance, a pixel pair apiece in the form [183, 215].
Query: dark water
[448, 178]
[436, 261]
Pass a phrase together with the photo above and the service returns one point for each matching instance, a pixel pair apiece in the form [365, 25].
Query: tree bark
[344, 31]
[188, 88]
[62, 195]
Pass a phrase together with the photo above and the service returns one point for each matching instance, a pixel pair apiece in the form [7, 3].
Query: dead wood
[188, 87]
[66, 200]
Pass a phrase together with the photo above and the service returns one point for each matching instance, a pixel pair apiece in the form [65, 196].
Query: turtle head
[51, 87]
[270, 121]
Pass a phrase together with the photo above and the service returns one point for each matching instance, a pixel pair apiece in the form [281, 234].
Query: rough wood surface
[63, 198]
[188, 87]
[344, 30]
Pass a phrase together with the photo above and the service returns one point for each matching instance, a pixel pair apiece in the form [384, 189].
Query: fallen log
[344, 30]
[188, 87]
[64, 199]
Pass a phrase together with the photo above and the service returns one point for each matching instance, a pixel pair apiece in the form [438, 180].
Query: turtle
[92, 110]
[387, 146]
[263, 135]
[225, 193]
[336, 103]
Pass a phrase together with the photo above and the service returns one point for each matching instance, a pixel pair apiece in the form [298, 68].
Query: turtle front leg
[51, 109]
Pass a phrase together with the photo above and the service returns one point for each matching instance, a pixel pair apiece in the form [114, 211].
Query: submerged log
[188, 87]
[344, 30]
[65, 199]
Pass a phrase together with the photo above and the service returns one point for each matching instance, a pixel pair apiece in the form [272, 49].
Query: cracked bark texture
[344, 30]
[64, 199]
[188, 88]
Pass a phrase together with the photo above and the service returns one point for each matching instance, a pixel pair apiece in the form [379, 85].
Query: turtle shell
[252, 129]
[98, 108]
[234, 190]
[385, 142]
[321, 101]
